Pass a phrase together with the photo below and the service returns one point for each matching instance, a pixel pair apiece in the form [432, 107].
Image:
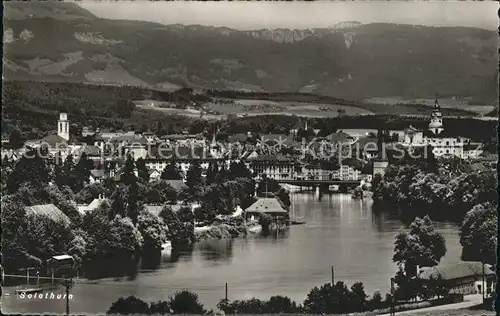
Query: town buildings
[443, 144]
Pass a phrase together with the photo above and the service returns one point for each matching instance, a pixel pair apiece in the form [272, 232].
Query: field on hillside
[267, 107]
[445, 103]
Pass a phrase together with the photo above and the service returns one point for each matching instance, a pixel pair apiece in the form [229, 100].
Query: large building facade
[442, 143]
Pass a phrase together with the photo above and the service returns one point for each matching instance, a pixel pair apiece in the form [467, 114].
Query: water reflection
[354, 236]
[216, 250]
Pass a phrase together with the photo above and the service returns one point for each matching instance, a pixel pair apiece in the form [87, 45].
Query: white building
[442, 143]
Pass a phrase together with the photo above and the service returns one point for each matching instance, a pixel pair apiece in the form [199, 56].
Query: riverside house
[465, 277]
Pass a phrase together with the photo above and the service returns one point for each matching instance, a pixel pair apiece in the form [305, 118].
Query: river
[340, 231]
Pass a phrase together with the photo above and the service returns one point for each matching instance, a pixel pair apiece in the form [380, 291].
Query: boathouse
[271, 206]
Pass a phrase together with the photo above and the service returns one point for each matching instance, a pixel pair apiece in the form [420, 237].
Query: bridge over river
[322, 186]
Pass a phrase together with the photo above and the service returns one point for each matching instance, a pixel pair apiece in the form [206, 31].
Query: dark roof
[182, 137]
[444, 134]
[266, 205]
[238, 138]
[53, 140]
[455, 270]
[49, 210]
[180, 153]
[265, 157]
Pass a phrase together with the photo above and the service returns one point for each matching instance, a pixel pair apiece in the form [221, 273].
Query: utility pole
[483, 287]
[67, 283]
[332, 277]
[226, 291]
[393, 312]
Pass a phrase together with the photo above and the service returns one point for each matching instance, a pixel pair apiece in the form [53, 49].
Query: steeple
[436, 124]
[63, 126]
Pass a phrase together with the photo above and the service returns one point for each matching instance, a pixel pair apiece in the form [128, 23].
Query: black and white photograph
[249, 157]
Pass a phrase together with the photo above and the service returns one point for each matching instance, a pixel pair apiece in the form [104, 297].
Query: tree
[16, 140]
[133, 202]
[128, 176]
[142, 170]
[179, 233]
[420, 246]
[407, 288]
[375, 302]
[329, 299]
[239, 170]
[280, 304]
[82, 171]
[152, 229]
[359, 297]
[186, 302]
[31, 169]
[212, 172]
[118, 237]
[160, 307]
[119, 201]
[171, 172]
[478, 234]
[160, 192]
[193, 176]
[130, 305]
[68, 170]
[58, 171]
[222, 175]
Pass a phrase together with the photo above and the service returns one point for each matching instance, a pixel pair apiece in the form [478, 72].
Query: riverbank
[225, 229]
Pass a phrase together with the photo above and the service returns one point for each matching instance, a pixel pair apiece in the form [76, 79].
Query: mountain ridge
[355, 62]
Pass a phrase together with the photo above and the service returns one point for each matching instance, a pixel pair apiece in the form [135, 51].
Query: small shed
[269, 206]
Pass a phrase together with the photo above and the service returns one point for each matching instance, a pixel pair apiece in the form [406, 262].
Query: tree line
[121, 226]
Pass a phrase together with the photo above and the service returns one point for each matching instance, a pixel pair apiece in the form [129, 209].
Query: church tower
[63, 126]
[436, 124]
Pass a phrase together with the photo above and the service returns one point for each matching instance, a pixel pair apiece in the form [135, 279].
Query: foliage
[128, 176]
[336, 299]
[186, 302]
[129, 305]
[193, 177]
[152, 229]
[160, 192]
[117, 237]
[222, 198]
[142, 171]
[179, 233]
[420, 246]
[171, 172]
[31, 169]
[442, 194]
[478, 234]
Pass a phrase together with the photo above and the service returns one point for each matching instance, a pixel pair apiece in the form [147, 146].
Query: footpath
[469, 301]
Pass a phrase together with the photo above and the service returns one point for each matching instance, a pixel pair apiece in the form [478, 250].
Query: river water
[340, 231]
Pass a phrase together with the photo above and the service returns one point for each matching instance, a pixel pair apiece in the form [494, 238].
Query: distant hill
[54, 41]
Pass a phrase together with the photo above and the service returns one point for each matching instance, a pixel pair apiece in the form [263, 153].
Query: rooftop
[266, 205]
[49, 210]
[454, 271]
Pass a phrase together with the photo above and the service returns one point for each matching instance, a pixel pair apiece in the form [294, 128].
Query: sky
[301, 15]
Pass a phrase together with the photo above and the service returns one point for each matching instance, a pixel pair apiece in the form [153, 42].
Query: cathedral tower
[63, 126]
[436, 124]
